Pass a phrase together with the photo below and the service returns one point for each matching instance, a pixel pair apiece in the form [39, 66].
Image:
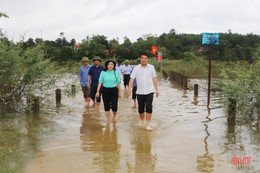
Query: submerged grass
[20, 138]
[11, 156]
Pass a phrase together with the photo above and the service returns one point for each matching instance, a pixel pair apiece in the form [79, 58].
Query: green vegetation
[239, 81]
[233, 47]
[182, 53]
[20, 138]
[197, 68]
[10, 142]
[23, 73]
[242, 83]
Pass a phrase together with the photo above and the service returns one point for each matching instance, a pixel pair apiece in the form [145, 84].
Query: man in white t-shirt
[146, 80]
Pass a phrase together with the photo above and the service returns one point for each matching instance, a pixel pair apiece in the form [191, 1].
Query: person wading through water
[83, 78]
[146, 80]
[110, 79]
[94, 74]
[126, 69]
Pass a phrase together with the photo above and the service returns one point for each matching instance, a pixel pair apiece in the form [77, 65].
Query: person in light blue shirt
[110, 79]
[119, 67]
[134, 90]
[83, 78]
[126, 70]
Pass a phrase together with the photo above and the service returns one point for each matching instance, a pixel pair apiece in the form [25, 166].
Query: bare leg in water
[134, 106]
[142, 119]
[94, 103]
[108, 116]
[148, 119]
[98, 104]
[87, 100]
[114, 118]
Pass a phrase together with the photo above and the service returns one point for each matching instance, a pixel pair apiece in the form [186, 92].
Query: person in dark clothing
[93, 75]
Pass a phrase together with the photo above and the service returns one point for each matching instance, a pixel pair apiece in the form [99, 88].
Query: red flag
[154, 49]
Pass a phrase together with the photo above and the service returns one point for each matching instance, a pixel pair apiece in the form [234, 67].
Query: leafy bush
[23, 73]
[189, 56]
[242, 83]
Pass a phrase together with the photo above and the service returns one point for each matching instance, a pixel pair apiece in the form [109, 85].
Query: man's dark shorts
[126, 79]
[134, 92]
[86, 91]
[145, 103]
[93, 93]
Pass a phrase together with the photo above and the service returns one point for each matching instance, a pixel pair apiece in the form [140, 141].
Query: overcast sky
[131, 18]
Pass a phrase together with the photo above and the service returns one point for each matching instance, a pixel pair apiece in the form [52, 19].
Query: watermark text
[241, 161]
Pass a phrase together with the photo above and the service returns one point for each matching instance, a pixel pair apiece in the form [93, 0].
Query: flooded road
[186, 137]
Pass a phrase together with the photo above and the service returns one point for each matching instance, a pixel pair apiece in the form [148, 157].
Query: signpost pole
[210, 39]
[209, 80]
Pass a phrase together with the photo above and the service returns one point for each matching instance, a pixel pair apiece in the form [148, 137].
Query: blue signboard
[210, 38]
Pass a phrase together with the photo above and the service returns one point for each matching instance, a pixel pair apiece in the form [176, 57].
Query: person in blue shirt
[119, 67]
[93, 76]
[134, 90]
[126, 70]
[83, 78]
[110, 79]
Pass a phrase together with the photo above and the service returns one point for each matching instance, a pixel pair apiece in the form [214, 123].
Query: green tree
[190, 56]
[67, 53]
[94, 46]
[3, 15]
[22, 74]
[164, 51]
[126, 50]
[72, 42]
[38, 41]
[30, 43]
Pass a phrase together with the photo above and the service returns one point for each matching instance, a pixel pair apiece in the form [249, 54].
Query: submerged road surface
[186, 137]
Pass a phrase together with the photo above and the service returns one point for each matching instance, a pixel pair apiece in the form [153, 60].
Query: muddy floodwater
[186, 137]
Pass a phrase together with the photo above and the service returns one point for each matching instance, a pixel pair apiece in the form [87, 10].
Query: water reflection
[195, 101]
[242, 137]
[145, 161]
[206, 161]
[110, 157]
[91, 133]
[230, 132]
[179, 143]
[185, 94]
[100, 139]
[20, 138]
[231, 119]
[33, 126]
